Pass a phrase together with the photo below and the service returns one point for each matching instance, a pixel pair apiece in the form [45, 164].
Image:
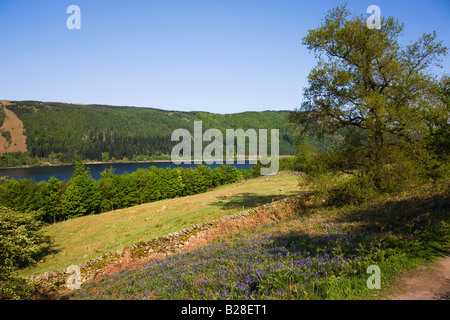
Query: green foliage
[6, 135]
[60, 200]
[279, 260]
[152, 189]
[125, 191]
[52, 200]
[309, 161]
[2, 116]
[23, 195]
[107, 190]
[350, 191]
[202, 178]
[105, 156]
[437, 141]
[360, 98]
[82, 196]
[21, 242]
[14, 159]
[72, 202]
[93, 131]
[156, 156]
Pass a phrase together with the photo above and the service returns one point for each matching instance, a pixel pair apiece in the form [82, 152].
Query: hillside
[65, 131]
[88, 237]
[314, 253]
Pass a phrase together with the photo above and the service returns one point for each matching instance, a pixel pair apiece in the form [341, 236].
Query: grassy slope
[88, 237]
[319, 254]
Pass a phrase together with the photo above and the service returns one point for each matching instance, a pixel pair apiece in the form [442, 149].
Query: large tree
[367, 86]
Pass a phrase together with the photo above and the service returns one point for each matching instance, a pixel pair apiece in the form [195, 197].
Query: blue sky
[222, 56]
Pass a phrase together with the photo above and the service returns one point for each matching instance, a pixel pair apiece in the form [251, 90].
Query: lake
[65, 172]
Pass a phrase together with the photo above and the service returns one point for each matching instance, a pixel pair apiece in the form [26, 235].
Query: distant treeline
[15, 159]
[70, 132]
[56, 200]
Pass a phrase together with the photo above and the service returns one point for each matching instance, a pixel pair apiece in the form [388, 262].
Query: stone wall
[169, 244]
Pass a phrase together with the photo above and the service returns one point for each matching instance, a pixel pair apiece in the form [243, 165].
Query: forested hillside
[96, 132]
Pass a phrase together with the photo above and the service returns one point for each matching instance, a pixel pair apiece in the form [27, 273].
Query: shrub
[355, 190]
[21, 243]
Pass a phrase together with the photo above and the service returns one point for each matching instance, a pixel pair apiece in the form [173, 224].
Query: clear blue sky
[221, 56]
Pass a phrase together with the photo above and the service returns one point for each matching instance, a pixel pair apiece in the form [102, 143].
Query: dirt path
[425, 283]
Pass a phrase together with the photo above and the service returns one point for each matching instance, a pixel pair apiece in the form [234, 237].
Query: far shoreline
[107, 162]
[71, 164]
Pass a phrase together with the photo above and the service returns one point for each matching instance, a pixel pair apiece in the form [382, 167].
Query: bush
[341, 181]
[353, 191]
[21, 243]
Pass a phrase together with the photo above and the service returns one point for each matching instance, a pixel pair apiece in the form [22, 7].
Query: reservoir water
[65, 172]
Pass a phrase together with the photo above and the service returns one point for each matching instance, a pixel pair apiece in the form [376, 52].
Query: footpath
[425, 282]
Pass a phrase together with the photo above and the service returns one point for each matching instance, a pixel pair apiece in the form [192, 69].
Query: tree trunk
[377, 152]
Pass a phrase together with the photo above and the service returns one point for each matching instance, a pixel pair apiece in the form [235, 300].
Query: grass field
[84, 238]
[318, 253]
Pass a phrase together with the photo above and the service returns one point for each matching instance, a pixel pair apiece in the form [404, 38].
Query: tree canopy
[65, 132]
[381, 96]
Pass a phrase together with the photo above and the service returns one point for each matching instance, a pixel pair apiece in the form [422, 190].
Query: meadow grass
[316, 252]
[85, 238]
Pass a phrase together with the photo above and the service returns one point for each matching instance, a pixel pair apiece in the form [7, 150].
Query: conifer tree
[52, 199]
[82, 196]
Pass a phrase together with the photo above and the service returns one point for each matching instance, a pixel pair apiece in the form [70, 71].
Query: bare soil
[15, 126]
[425, 282]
